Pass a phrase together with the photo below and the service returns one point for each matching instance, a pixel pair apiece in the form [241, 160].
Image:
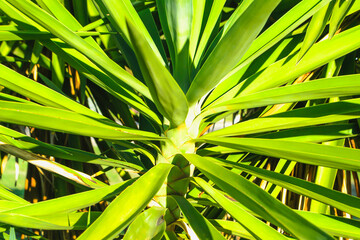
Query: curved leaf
[8, 195]
[119, 12]
[341, 8]
[72, 202]
[66, 121]
[211, 21]
[166, 93]
[176, 18]
[322, 88]
[328, 196]
[76, 59]
[40, 93]
[20, 220]
[68, 36]
[148, 225]
[316, 27]
[336, 226]
[309, 153]
[253, 225]
[256, 199]
[309, 116]
[270, 37]
[201, 226]
[243, 32]
[287, 69]
[127, 205]
[52, 166]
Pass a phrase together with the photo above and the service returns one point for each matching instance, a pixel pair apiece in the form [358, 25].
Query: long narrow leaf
[243, 32]
[257, 200]
[322, 88]
[166, 93]
[309, 153]
[201, 226]
[66, 121]
[256, 227]
[148, 225]
[72, 202]
[127, 205]
[61, 31]
[331, 197]
[310, 116]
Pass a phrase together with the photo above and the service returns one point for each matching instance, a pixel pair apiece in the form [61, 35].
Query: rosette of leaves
[179, 119]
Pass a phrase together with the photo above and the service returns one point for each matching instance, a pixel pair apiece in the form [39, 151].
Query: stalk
[177, 182]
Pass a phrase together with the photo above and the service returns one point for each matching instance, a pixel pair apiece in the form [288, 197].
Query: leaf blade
[244, 31]
[166, 93]
[309, 153]
[256, 199]
[201, 226]
[135, 197]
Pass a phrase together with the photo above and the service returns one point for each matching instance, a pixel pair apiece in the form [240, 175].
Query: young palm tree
[190, 119]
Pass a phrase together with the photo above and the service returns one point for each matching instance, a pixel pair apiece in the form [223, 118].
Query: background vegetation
[179, 119]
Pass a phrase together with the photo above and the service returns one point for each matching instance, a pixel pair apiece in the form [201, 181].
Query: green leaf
[66, 121]
[316, 134]
[309, 116]
[8, 195]
[317, 89]
[231, 227]
[210, 27]
[68, 36]
[27, 143]
[253, 225]
[11, 203]
[198, 18]
[36, 35]
[339, 12]
[281, 28]
[72, 202]
[59, 11]
[118, 13]
[235, 15]
[12, 234]
[270, 37]
[326, 178]
[74, 154]
[150, 24]
[75, 220]
[85, 66]
[287, 69]
[328, 196]
[148, 225]
[107, 82]
[316, 27]
[20, 220]
[57, 168]
[337, 226]
[201, 226]
[256, 199]
[127, 205]
[166, 93]
[309, 153]
[176, 17]
[243, 32]
[40, 93]
[285, 47]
